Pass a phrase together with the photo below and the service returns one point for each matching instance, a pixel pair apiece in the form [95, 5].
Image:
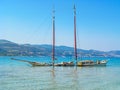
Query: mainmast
[75, 42]
[53, 42]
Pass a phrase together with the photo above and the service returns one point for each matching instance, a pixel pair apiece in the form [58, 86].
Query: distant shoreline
[8, 48]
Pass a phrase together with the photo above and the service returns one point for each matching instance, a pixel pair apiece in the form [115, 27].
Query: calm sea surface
[16, 75]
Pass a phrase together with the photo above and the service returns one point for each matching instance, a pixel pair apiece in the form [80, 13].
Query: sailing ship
[70, 63]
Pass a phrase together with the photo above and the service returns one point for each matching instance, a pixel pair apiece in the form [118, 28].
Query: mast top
[53, 12]
[74, 10]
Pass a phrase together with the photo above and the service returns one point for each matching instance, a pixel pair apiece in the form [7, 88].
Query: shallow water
[21, 76]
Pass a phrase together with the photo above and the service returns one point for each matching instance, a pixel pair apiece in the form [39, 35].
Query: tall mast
[53, 42]
[75, 42]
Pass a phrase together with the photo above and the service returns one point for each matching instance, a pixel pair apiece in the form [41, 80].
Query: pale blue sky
[30, 21]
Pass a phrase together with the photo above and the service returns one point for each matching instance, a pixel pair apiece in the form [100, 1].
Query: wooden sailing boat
[80, 63]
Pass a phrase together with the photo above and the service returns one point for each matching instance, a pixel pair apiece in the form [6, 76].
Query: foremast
[53, 38]
[75, 41]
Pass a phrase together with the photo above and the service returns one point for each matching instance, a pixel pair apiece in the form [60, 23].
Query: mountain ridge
[8, 48]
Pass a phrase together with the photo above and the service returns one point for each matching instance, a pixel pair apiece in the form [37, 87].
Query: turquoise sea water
[16, 75]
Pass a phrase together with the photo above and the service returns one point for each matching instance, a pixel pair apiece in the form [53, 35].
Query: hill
[8, 48]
